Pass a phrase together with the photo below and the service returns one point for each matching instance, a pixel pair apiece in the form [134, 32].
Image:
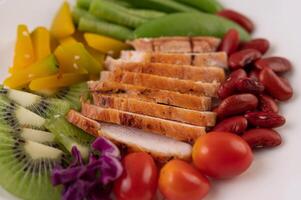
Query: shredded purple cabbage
[90, 180]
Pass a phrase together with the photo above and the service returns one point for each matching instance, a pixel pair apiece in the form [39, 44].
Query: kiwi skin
[26, 166]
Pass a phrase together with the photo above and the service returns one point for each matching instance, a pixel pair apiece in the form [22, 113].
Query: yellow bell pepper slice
[62, 24]
[24, 53]
[74, 58]
[57, 81]
[41, 42]
[42, 68]
[105, 44]
[69, 39]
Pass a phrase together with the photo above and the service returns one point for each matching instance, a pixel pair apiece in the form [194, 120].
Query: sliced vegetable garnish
[62, 25]
[57, 81]
[90, 180]
[73, 57]
[105, 44]
[21, 78]
[24, 53]
[41, 42]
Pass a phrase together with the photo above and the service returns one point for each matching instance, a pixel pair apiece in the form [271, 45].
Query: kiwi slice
[45, 107]
[13, 116]
[74, 94]
[69, 135]
[26, 166]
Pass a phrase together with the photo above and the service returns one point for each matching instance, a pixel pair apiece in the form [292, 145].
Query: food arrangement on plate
[124, 98]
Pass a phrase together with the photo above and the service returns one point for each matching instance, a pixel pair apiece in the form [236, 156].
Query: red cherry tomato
[221, 155]
[139, 179]
[182, 181]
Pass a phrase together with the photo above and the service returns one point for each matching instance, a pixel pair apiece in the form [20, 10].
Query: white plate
[275, 174]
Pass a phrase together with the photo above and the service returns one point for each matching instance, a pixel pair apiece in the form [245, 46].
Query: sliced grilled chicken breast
[166, 97]
[218, 59]
[160, 82]
[177, 44]
[186, 72]
[176, 130]
[161, 147]
[139, 106]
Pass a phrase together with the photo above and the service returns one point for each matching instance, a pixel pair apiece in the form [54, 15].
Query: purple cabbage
[92, 180]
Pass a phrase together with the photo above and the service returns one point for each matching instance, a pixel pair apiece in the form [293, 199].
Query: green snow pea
[209, 6]
[162, 5]
[88, 24]
[115, 13]
[189, 24]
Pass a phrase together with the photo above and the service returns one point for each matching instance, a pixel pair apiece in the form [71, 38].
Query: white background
[275, 174]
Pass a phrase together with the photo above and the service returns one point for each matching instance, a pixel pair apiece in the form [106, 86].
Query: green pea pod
[84, 4]
[189, 24]
[88, 24]
[162, 5]
[147, 14]
[114, 13]
[209, 6]
[78, 13]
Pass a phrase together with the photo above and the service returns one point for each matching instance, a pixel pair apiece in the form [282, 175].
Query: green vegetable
[84, 4]
[147, 14]
[189, 24]
[115, 13]
[77, 13]
[162, 5]
[209, 6]
[86, 24]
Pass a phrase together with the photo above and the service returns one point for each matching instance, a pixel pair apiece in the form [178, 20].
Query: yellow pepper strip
[105, 44]
[74, 58]
[24, 53]
[69, 39]
[62, 24]
[41, 42]
[99, 57]
[57, 81]
[42, 68]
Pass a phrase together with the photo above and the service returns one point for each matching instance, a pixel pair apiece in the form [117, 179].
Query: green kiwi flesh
[69, 135]
[45, 107]
[25, 168]
[13, 115]
[74, 94]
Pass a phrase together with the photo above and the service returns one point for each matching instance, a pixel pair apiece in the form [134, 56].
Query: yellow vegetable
[24, 53]
[99, 57]
[57, 81]
[42, 68]
[105, 44]
[74, 58]
[69, 39]
[62, 25]
[41, 42]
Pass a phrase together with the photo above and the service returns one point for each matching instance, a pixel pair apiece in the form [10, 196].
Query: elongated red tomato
[221, 155]
[182, 181]
[139, 179]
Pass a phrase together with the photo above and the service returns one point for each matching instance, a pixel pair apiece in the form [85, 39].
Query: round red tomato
[221, 155]
[182, 181]
[139, 179]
